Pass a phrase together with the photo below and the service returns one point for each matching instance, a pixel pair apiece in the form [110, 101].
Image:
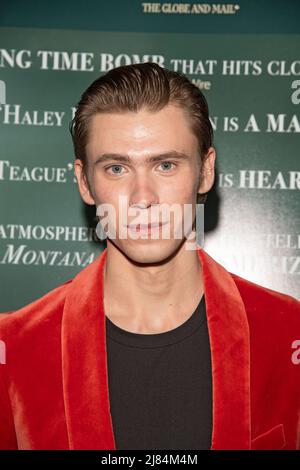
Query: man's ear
[207, 171]
[83, 186]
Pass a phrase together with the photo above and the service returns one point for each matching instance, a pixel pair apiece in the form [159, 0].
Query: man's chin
[150, 252]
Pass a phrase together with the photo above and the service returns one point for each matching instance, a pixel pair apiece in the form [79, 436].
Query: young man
[154, 345]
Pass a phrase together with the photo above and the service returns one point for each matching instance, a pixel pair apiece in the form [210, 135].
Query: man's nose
[143, 193]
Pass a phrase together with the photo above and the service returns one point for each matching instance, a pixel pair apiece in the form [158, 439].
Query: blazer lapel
[84, 359]
[85, 379]
[230, 354]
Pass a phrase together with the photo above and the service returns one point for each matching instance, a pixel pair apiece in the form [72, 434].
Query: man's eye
[165, 165]
[119, 168]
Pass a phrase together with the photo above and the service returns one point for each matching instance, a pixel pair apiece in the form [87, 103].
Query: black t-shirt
[160, 386]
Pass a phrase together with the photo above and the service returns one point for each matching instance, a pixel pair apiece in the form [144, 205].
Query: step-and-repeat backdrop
[245, 57]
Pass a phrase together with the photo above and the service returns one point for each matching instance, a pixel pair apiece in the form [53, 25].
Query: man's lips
[146, 226]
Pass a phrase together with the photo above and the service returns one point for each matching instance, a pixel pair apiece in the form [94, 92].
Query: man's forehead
[140, 139]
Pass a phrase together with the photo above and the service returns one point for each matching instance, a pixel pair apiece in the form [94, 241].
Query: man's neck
[150, 298]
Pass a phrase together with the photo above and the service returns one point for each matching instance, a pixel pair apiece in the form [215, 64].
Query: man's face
[145, 185]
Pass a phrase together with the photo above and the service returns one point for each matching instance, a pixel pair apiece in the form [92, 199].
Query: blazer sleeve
[8, 439]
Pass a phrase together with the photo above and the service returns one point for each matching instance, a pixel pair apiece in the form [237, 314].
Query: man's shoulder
[48, 307]
[265, 301]
[274, 332]
[36, 312]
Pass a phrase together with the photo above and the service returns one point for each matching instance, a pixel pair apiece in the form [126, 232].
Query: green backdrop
[246, 59]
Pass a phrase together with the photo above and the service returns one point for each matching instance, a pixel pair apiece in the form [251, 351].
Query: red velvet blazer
[54, 385]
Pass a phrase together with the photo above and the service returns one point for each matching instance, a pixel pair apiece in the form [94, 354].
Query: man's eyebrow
[116, 157]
